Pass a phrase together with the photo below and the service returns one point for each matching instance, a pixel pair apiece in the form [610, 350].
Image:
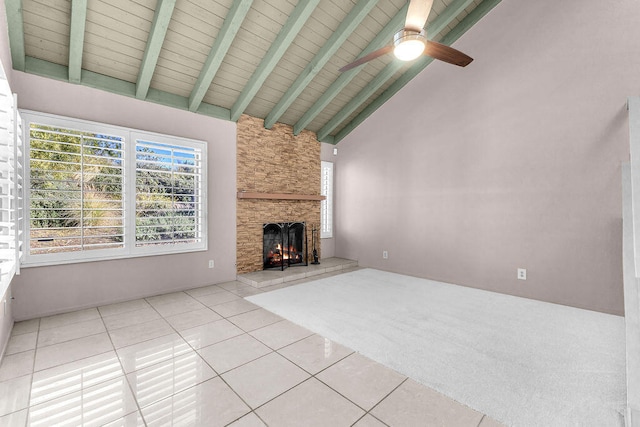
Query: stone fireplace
[278, 181]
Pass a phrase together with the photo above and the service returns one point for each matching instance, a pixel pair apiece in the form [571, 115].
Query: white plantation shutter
[76, 190]
[98, 191]
[18, 184]
[169, 192]
[7, 227]
[10, 185]
[326, 206]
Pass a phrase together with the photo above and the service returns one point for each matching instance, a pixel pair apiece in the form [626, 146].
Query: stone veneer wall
[273, 161]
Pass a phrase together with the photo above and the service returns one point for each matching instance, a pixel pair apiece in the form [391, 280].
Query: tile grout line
[129, 326]
[287, 345]
[277, 352]
[208, 364]
[272, 351]
[150, 305]
[314, 376]
[372, 416]
[301, 382]
[317, 373]
[383, 399]
[284, 392]
[219, 374]
[300, 367]
[33, 372]
[245, 332]
[322, 370]
[351, 401]
[72, 339]
[237, 314]
[124, 374]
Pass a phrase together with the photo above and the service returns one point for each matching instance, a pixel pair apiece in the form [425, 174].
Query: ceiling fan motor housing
[409, 44]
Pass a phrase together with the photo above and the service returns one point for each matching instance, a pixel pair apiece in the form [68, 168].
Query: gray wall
[47, 290]
[468, 174]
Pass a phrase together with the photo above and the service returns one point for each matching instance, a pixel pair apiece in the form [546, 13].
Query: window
[168, 194]
[326, 206]
[76, 190]
[100, 192]
[10, 185]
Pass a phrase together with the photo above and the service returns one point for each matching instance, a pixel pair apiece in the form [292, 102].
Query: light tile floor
[204, 357]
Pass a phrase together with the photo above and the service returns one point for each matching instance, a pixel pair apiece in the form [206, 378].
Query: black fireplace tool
[313, 242]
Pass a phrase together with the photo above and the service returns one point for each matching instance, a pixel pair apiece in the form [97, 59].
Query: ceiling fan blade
[417, 14]
[373, 55]
[447, 54]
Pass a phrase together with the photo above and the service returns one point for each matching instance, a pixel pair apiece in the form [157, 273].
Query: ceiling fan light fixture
[409, 44]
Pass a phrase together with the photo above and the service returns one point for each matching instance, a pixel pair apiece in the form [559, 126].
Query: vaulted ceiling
[273, 59]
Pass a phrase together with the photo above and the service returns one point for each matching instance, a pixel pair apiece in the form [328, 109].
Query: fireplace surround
[276, 173]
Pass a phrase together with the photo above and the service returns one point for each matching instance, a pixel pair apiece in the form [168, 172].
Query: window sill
[49, 263]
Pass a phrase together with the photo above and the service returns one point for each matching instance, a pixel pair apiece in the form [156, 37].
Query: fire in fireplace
[284, 244]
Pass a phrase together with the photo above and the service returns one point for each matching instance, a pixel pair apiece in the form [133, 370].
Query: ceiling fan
[411, 41]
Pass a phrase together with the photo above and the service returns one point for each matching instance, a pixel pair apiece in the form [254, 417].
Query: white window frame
[129, 250]
[326, 206]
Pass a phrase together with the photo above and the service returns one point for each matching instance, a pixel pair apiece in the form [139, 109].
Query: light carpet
[520, 361]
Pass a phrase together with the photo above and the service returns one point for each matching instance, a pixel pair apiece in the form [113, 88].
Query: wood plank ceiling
[273, 59]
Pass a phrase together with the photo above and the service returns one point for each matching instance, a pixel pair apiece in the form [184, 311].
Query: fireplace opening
[284, 244]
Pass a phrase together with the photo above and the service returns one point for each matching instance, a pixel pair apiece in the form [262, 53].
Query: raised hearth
[264, 278]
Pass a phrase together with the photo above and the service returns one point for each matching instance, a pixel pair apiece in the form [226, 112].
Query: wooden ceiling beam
[341, 82]
[433, 29]
[16, 33]
[333, 131]
[76, 38]
[277, 49]
[344, 30]
[355, 102]
[470, 20]
[121, 87]
[230, 27]
[164, 10]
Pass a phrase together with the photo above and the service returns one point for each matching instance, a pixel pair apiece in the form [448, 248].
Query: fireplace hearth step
[260, 279]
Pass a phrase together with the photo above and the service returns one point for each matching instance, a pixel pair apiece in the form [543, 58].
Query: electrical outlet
[335, 151]
[211, 264]
[522, 274]
[385, 255]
